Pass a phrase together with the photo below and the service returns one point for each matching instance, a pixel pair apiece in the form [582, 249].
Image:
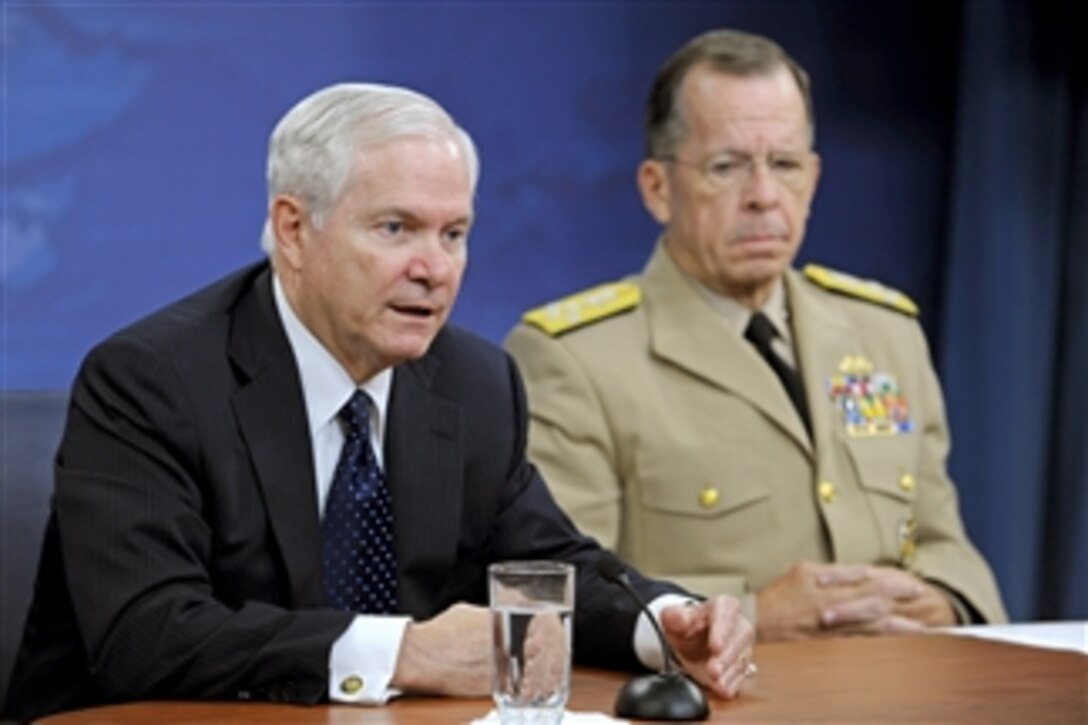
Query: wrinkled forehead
[417, 173]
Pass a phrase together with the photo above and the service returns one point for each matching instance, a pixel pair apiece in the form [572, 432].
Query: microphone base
[665, 696]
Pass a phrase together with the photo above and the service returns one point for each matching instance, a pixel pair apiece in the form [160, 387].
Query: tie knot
[356, 414]
[760, 330]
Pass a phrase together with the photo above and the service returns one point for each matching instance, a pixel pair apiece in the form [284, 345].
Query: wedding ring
[750, 670]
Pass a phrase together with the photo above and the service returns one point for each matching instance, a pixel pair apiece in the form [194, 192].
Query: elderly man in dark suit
[197, 547]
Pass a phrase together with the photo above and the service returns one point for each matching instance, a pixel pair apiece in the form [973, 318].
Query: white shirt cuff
[647, 645]
[363, 659]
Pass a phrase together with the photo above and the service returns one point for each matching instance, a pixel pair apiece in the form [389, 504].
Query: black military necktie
[360, 565]
[760, 332]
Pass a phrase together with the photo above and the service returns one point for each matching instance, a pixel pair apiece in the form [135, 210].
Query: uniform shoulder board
[578, 310]
[865, 289]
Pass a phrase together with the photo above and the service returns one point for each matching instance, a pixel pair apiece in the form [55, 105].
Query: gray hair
[311, 153]
[730, 51]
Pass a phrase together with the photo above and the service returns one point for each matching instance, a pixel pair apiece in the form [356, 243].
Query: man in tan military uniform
[670, 437]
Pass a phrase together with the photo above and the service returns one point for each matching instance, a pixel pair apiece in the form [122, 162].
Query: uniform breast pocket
[699, 507]
[885, 466]
[886, 473]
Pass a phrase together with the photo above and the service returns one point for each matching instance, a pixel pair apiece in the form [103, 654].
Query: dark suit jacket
[182, 558]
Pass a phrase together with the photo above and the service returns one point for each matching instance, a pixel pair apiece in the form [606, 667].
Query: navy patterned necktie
[760, 333]
[360, 566]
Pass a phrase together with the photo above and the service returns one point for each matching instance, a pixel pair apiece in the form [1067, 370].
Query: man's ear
[653, 184]
[286, 215]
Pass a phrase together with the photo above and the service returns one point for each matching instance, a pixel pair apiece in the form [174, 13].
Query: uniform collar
[737, 315]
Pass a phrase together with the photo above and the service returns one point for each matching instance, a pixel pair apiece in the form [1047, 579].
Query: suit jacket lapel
[271, 416]
[424, 471]
[686, 331]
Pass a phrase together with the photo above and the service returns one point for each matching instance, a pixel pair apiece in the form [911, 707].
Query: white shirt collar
[326, 385]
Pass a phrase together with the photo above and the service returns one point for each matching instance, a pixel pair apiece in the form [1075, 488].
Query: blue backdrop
[134, 138]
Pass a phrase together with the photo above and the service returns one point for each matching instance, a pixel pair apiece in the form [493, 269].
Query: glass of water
[531, 607]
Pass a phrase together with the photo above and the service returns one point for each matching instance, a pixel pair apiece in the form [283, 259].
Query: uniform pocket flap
[684, 482]
[883, 466]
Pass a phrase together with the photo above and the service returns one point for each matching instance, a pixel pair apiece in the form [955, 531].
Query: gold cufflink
[351, 685]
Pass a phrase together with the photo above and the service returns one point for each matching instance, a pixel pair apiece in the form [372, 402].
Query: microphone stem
[670, 658]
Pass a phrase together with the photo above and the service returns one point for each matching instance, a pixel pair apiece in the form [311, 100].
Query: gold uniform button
[827, 491]
[351, 685]
[906, 482]
[708, 498]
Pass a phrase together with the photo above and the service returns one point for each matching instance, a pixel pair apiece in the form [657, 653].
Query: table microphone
[667, 695]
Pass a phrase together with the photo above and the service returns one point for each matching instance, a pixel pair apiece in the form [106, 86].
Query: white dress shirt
[367, 651]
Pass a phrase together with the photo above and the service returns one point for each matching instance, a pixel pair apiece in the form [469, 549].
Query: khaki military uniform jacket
[663, 433]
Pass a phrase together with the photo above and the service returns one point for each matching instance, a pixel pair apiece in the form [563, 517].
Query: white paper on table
[1048, 635]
